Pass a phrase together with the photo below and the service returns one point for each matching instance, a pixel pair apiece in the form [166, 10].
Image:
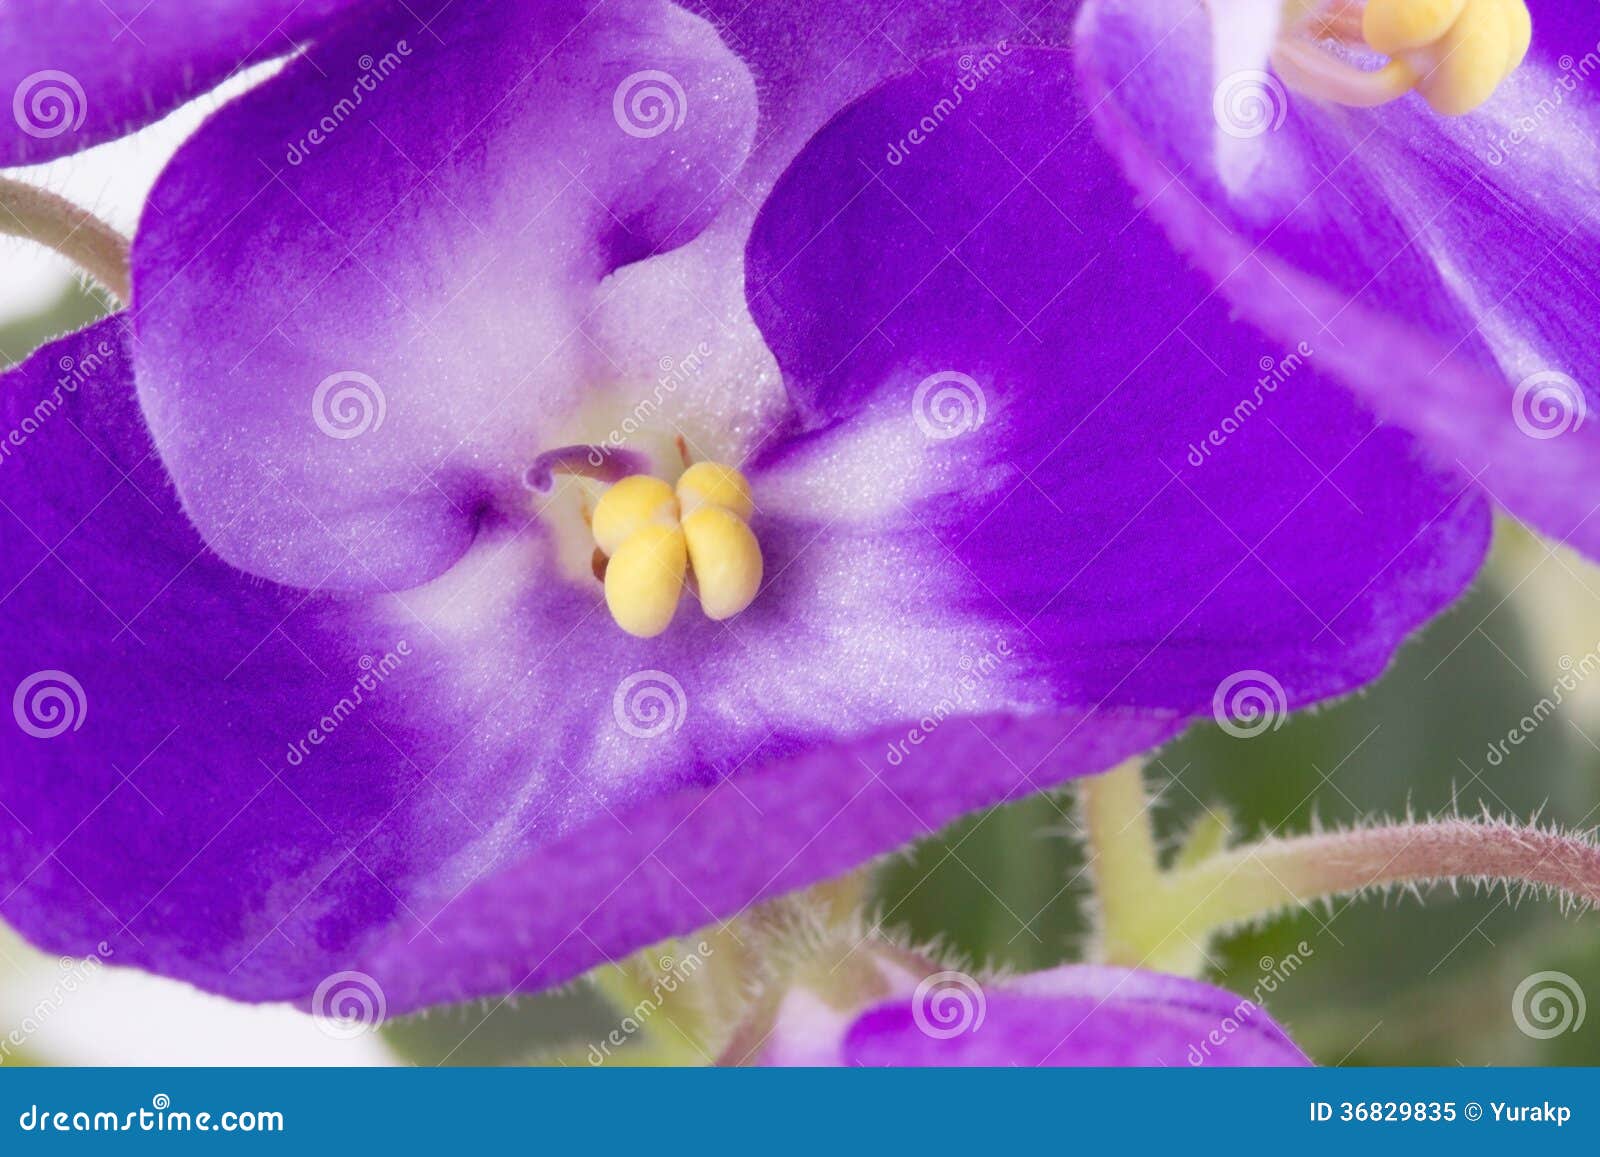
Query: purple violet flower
[1076, 1015]
[307, 679]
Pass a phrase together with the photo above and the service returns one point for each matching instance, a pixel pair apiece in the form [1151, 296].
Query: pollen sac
[1395, 26]
[1484, 45]
[629, 506]
[1454, 53]
[644, 580]
[654, 535]
[726, 560]
[717, 485]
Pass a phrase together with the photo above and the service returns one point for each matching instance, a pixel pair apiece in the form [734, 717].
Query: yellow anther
[1395, 26]
[1462, 70]
[653, 534]
[644, 579]
[629, 506]
[716, 484]
[1519, 25]
[1454, 53]
[726, 559]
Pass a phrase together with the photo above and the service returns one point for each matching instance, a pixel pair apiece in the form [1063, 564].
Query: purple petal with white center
[79, 72]
[397, 275]
[528, 791]
[1444, 267]
[1162, 497]
[478, 787]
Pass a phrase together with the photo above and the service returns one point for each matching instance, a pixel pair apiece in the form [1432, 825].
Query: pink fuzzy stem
[1252, 881]
[41, 216]
[1448, 849]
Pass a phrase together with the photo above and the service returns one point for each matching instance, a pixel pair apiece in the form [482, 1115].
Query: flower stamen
[652, 534]
[1454, 53]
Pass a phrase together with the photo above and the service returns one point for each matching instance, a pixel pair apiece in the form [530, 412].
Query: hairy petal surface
[79, 72]
[1443, 267]
[1164, 498]
[391, 275]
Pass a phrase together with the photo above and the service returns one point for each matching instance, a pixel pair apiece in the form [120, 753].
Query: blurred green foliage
[74, 308]
[1387, 980]
[496, 1032]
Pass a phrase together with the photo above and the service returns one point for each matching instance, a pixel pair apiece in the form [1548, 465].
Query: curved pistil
[599, 463]
[1454, 53]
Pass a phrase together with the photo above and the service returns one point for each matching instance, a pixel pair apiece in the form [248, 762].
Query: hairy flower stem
[815, 948]
[1129, 883]
[1258, 880]
[1162, 919]
[633, 988]
[715, 996]
[79, 236]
